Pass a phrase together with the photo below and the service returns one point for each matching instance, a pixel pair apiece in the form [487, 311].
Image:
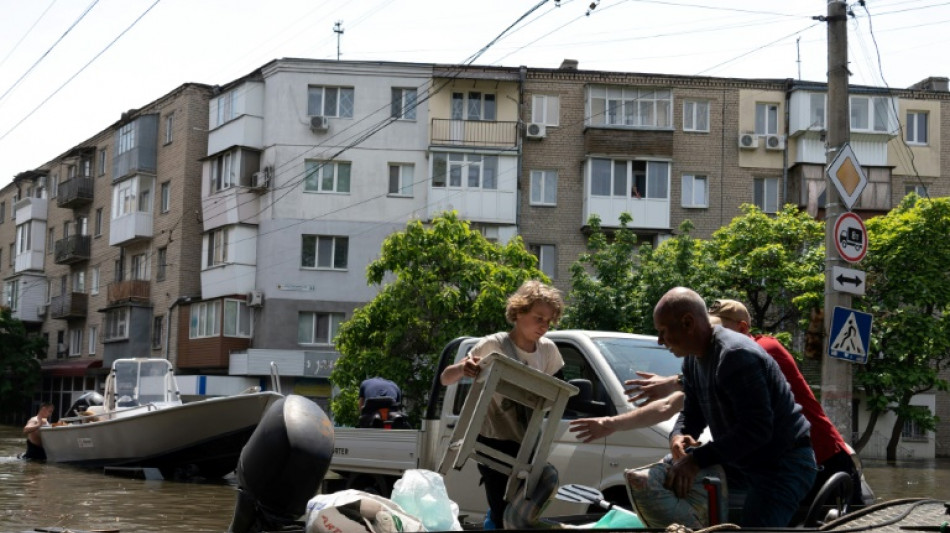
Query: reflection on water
[36, 494]
[920, 478]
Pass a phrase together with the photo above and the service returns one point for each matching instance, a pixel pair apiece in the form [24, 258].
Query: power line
[28, 31]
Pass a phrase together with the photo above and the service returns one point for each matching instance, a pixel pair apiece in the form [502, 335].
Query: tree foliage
[437, 282]
[19, 367]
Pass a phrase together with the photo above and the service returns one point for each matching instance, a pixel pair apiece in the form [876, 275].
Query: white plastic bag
[354, 511]
[422, 493]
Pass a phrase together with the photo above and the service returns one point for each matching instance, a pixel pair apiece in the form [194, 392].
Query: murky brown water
[33, 495]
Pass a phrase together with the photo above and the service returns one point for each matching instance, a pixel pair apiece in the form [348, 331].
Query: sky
[69, 68]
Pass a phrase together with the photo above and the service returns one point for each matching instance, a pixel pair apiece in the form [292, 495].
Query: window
[12, 254]
[319, 251]
[204, 320]
[918, 189]
[869, 113]
[169, 127]
[404, 104]
[545, 109]
[3, 211]
[916, 127]
[222, 109]
[401, 178]
[158, 325]
[102, 162]
[543, 187]
[695, 190]
[93, 337]
[98, 222]
[237, 319]
[217, 247]
[222, 175]
[327, 176]
[913, 431]
[766, 119]
[139, 267]
[696, 115]
[631, 179]
[11, 293]
[117, 324]
[54, 181]
[23, 233]
[49, 291]
[79, 281]
[166, 192]
[51, 240]
[630, 106]
[547, 258]
[473, 105]
[94, 280]
[123, 198]
[817, 108]
[473, 171]
[75, 342]
[126, 138]
[161, 259]
[318, 328]
[330, 101]
[766, 194]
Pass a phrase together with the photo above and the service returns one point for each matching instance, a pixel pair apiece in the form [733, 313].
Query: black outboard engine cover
[84, 402]
[282, 465]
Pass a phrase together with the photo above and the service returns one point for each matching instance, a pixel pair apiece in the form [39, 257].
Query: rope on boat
[915, 502]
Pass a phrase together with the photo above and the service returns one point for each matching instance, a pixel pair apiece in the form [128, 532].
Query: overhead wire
[27, 33]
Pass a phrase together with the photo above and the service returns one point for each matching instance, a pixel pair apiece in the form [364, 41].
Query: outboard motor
[282, 466]
[84, 402]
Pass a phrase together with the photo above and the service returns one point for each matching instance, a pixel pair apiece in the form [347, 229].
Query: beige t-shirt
[503, 423]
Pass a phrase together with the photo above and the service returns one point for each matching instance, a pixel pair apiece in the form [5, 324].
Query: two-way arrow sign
[848, 280]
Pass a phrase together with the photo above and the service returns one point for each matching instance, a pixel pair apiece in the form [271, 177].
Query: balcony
[73, 249]
[133, 290]
[129, 228]
[75, 192]
[30, 209]
[69, 305]
[648, 213]
[481, 133]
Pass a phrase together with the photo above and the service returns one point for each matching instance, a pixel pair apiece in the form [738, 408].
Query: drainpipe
[788, 98]
[519, 142]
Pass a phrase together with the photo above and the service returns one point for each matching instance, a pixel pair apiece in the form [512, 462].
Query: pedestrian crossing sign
[850, 336]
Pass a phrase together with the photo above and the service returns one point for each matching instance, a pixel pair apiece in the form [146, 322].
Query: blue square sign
[850, 337]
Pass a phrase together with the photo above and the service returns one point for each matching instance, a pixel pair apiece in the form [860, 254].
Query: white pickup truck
[373, 459]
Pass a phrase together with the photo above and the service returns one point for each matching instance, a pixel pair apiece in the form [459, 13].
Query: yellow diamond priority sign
[847, 175]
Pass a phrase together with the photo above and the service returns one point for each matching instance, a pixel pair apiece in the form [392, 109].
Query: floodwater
[45, 495]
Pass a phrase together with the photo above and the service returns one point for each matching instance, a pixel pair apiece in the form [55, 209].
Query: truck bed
[375, 451]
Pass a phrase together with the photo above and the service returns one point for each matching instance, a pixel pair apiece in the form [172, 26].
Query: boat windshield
[628, 355]
[143, 381]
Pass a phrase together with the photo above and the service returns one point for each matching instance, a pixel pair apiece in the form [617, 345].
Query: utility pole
[836, 390]
[338, 30]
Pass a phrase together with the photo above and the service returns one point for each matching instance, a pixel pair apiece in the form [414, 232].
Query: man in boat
[34, 443]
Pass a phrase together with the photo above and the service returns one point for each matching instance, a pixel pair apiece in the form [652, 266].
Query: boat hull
[202, 438]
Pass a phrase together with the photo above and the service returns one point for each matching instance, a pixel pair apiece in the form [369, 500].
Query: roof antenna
[338, 29]
[798, 52]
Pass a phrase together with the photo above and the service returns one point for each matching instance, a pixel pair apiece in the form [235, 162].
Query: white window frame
[224, 108]
[653, 175]
[11, 294]
[327, 177]
[766, 118]
[544, 187]
[547, 258]
[102, 161]
[817, 108]
[123, 198]
[116, 324]
[158, 328]
[75, 342]
[869, 113]
[689, 190]
[217, 247]
[329, 252]
[24, 234]
[464, 171]
[239, 323]
[921, 190]
[404, 102]
[126, 138]
[204, 321]
[765, 192]
[222, 172]
[474, 105]
[79, 281]
[139, 267]
[630, 107]
[94, 280]
[166, 196]
[546, 109]
[340, 105]
[696, 115]
[93, 334]
[169, 128]
[401, 179]
[308, 322]
[917, 127]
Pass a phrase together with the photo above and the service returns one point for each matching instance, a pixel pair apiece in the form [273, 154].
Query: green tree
[908, 293]
[437, 282]
[19, 367]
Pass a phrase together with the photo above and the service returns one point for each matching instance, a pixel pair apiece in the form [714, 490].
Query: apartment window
[223, 108]
[237, 319]
[543, 187]
[912, 430]
[85, 167]
[222, 175]
[321, 251]
[204, 320]
[217, 247]
[139, 267]
[54, 181]
[102, 162]
[401, 178]
[79, 281]
[327, 176]
[11, 292]
[766, 119]
[473, 105]
[93, 337]
[765, 194]
[49, 291]
[123, 198]
[630, 106]
[75, 342]
[404, 104]
[158, 325]
[695, 190]
[3, 211]
[916, 127]
[545, 109]
[23, 236]
[94, 280]
[169, 127]
[98, 222]
[869, 113]
[918, 189]
[817, 108]
[117, 324]
[696, 115]
[166, 192]
[318, 328]
[472, 171]
[12, 254]
[330, 101]
[547, 258]
[632, 179]
[51, 240]
[126, 138]
[162, 257]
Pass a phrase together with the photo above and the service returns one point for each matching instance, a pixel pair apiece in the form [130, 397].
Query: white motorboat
[142, 423]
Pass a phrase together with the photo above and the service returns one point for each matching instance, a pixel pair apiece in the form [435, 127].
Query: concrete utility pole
[836, 391]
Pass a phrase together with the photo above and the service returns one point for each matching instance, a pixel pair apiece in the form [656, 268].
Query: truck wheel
[372, 484]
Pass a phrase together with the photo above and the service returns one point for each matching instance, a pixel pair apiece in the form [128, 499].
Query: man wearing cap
[831, 452]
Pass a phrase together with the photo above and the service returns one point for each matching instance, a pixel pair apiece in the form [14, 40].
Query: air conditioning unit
[536, 131]
[255, 299]
[260, 180]
[748, 141]
[41, 310]
[774, 142]
[319, 123]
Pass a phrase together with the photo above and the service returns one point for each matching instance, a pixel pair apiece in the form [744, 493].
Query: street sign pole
[836, 391]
